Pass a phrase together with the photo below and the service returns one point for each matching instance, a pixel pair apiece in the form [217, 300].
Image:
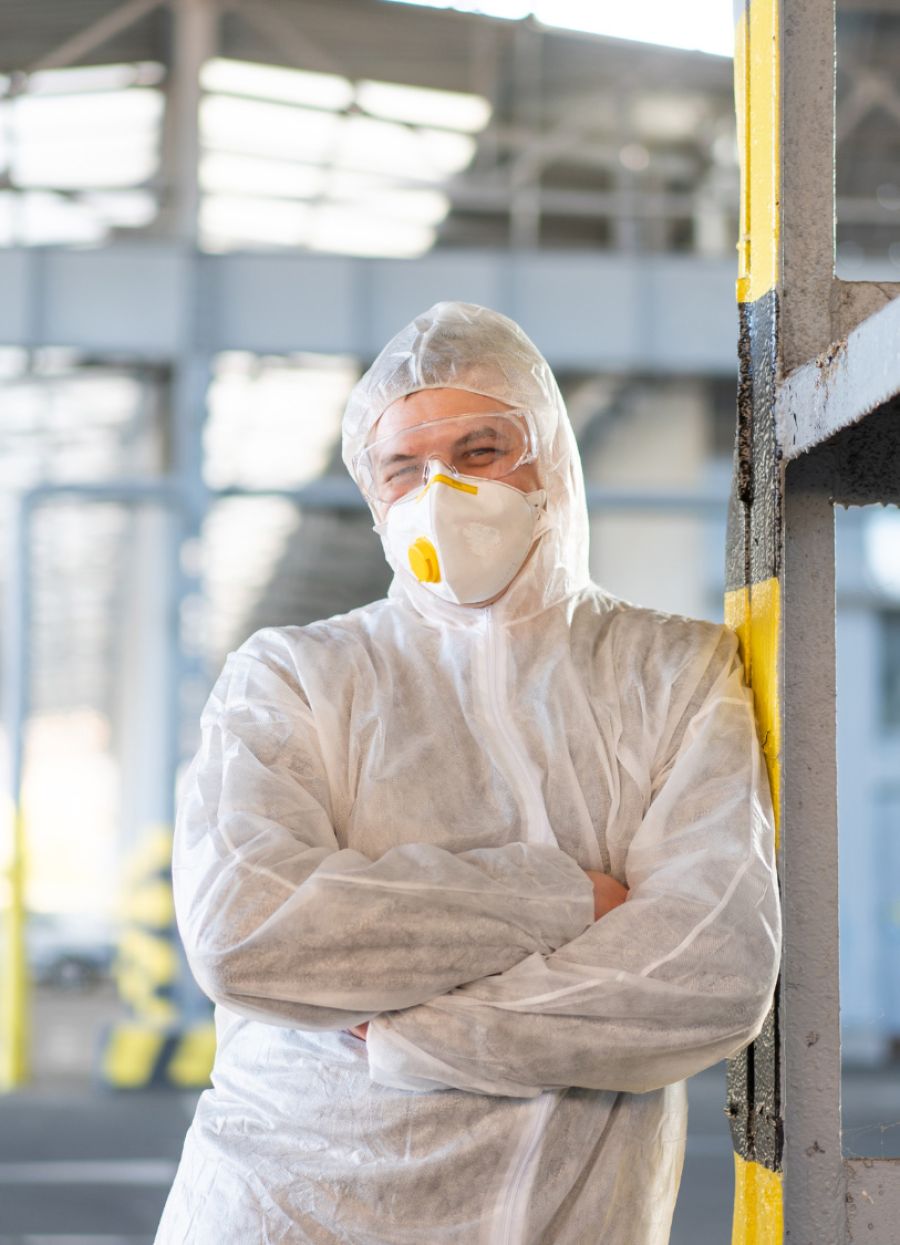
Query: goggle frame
[365, 475]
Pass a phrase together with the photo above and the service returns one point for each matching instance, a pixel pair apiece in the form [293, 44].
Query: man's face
[470, 446]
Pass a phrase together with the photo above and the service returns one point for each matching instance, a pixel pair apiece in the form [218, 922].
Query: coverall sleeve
[679, 976]
[279, 923]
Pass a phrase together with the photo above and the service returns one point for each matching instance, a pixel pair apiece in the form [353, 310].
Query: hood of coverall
[463, 346]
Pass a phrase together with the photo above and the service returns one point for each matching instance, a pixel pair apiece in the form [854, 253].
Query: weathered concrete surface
[851, 379]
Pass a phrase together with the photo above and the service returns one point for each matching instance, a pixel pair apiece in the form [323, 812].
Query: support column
[806, 205]
[171, 1038]
[803, 441]
[814, 1183]
[754, 567]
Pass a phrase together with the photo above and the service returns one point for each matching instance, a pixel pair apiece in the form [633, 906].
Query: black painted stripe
[754, 512]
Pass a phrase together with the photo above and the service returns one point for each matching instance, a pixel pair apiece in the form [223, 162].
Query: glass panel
[868, 682]
[868, 142]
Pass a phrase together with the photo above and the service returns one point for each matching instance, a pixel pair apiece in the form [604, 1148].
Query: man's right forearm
[358, 937]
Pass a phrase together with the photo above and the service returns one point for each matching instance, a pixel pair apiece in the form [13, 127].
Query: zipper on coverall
[508, 1224]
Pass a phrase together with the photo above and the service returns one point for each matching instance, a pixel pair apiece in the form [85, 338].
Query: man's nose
[435, 465]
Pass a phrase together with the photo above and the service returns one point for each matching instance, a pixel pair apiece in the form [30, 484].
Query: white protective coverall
[388, 820]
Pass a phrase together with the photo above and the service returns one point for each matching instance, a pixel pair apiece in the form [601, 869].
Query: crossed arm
[281, 924]
[608, 894]
[664, 985]
[442, 954]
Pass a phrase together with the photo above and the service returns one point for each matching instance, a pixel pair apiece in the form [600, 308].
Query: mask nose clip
[436, 467]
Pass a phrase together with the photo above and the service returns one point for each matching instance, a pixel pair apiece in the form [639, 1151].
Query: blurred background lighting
[510, 10]
[450, 110]
[352, 231]
[274, 422]
[371, 159]
[126, 209]
[237, 220]
[424, 207]
[81, 152]
[94, 129]
[235, 174]
[289, 86]
[382, 146]
[702, 26]
[882, 544]
[41, 218]
[284, 130]
[95, 78]
[93, 163]
[40, 116]
[101, 139]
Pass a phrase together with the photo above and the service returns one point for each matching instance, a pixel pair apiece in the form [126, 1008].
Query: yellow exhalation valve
[423, 560]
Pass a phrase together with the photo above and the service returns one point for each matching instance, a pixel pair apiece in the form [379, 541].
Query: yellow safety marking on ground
[192, 1061]
[130, 1055]
[757, 94]
[136, 989]
[155, 956]
[754, 612]
[150, 904]
[758, 1205]
[152, 855]
[14, 1013]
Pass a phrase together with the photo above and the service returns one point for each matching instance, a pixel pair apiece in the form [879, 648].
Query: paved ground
[85, 1167]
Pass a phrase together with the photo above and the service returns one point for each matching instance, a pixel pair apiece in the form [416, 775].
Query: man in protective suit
[478, 874]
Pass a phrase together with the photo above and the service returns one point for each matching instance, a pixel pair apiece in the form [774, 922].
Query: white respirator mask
[464, 538]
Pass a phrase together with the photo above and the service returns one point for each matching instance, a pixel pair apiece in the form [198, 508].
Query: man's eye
[488, 453]
[397, 474]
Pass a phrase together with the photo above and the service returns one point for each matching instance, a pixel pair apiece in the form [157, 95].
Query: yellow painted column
[754, 576]
[15, 1038]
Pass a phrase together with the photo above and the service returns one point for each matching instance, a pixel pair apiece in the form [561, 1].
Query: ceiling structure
[580, 143]
[584, 142]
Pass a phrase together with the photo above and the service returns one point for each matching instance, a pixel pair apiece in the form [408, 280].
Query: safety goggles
[489, 444]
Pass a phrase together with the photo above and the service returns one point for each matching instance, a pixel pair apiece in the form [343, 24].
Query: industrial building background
[212, 215]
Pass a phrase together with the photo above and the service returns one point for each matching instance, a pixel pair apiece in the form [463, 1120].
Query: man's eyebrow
[393, 459]
[485, 429]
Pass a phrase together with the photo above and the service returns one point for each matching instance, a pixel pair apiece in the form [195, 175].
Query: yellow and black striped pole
[159, 1045]
[753, 574]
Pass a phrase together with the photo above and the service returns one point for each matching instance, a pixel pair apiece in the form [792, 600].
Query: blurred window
[890, 669]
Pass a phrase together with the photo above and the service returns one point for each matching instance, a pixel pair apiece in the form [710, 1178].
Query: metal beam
[849, 381]
[285, 35]
[648, 314]
[195, 31]
[338, 492]
[869, 6]
[817, 425]
[852, 302]
[95, 35]
[807, 179]
[814, 1208]
[817, 309]
[873, 1199]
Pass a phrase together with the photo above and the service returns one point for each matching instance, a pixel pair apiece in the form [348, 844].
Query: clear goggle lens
[491, 445]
